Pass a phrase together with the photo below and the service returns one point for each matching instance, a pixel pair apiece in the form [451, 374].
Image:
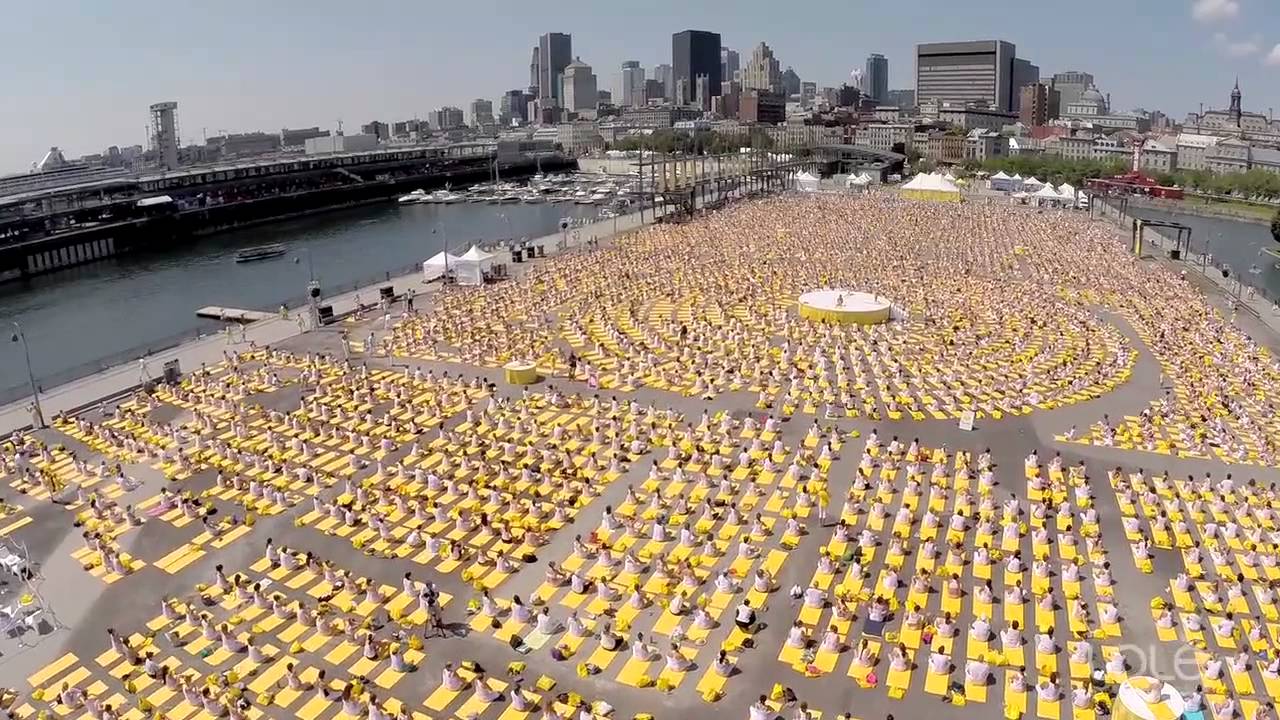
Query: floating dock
[233, 314]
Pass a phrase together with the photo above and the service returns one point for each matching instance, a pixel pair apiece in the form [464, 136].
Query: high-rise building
[761, 71]
[1024, 74]
[665, 75]
[579, 87]
[164, 133]
[1071, 84]
[555, 52]
[481, 112]
[694, 53]
[702, 94]
[1038, 103]
[533, 68]
[514, 106]
[729, 64]
[631, 89]
[790, 82]
[979, 72]
[653, 90]
[875, 78]
[446, 118]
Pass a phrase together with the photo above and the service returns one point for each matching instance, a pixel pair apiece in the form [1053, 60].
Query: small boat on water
[413, 198]
[261, 252]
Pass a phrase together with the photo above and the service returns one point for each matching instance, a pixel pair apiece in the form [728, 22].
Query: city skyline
[241, 67]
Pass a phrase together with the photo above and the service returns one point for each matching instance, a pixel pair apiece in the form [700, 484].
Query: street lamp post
[19, 337]
[313, 291]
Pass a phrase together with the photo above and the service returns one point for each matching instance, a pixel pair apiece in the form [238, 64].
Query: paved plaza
[707, 503]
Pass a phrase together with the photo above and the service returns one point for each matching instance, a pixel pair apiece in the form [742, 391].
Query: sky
[80, 74]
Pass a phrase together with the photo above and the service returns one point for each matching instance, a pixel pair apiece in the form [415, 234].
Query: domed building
[1092, 103]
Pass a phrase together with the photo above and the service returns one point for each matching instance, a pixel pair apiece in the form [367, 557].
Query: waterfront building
[1233, 121]
[966, 72]
[694, 53]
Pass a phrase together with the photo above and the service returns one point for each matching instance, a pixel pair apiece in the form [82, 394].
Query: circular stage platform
[844, 307]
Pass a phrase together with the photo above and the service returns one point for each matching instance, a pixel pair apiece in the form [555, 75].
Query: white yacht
[417, 196]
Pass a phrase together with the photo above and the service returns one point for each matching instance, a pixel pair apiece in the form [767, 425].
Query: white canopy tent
[1032, 183]
[472, 265]
[806, 182]
[1046, 195]
[999, 181]
[1067, 192]
[438, 264]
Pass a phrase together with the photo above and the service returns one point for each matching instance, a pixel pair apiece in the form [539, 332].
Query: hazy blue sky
[80, 74]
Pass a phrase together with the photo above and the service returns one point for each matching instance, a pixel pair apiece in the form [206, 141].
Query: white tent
[470, 268]
[806, 182]
[1015, 182]
[1066, 192]
[1046, 194]
[437, 264]
[1031, 183]
[931, 186]
[1000, 181]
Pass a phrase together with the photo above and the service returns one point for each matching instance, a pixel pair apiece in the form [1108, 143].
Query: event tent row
[469, 268]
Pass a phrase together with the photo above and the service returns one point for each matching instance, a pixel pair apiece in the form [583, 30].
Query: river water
[1235, 243]
[111, 311]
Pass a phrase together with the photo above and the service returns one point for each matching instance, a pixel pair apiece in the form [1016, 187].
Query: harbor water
[1242, 246]
[83, 319]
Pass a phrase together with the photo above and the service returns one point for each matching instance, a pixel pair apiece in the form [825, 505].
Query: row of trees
[1050, 168]
[1258, 184]
[699, 142]
[1249, 184]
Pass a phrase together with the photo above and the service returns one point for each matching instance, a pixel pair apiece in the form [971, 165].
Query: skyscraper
[694, 53]
[966, 72]
[579, 87]
[533, 68]
[790, 82]
[631, 89]
[876, 78]
[1038, 104]
[665, 75]
[761, 71]
[729, 64]
[555, 51]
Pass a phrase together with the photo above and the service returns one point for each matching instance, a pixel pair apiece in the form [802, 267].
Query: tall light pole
[18, 337]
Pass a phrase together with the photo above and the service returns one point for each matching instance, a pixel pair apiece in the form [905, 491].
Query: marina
[607, 191]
